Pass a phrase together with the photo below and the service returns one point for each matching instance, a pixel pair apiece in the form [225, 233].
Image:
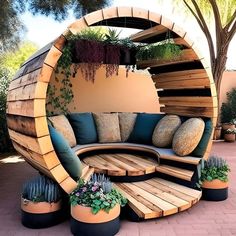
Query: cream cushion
[107, 127]
[188, 135]
[127, 121]
[165, 130]
[61, 124]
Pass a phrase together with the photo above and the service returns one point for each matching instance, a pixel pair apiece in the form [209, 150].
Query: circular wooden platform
[122, 164]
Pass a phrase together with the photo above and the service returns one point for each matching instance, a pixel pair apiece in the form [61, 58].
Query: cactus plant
[41, 189]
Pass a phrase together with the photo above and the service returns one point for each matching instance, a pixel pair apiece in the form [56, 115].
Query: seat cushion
[61, 124]
[84, 127]
[67, 157]
[107, 127]
[143, 128]
[188, 135]
[165, 130]
[126, 121]
[200, 150]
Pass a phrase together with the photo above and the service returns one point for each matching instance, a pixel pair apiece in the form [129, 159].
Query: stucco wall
[135, 93]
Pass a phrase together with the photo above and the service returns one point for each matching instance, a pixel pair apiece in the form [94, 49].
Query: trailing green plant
[228, 111]
[215, 168]
[98, 194]
[41, 189]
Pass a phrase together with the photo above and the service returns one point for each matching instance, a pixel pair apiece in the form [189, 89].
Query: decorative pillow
[61, 124]
[165, 130]
[127, 121]
[187, 137]
[200, 150]
[107, 127]
[143, 128]
[84, 127]
[67, 157]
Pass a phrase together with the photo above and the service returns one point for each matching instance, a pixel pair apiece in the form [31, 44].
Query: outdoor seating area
[154, 160]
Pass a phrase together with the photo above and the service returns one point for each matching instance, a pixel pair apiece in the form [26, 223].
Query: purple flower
[94, 188]
[77, 194]
[84, 189]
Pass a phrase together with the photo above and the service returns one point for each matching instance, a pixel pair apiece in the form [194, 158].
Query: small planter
[215, 190]
[84, 222]
[229, 137]
[226, 126]
[217, 133]
[38, 215]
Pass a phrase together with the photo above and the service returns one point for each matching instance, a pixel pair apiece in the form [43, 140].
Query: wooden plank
[86, 176]
[40, 145]
[153, 16]
[59, 173]
[110, 12]
[187, 55]
[60, 42]
[140, 13]
[139, 208]
[131, 171]
[188, 111]
[32, 65]
[124, 11]
[172, 191]
[189, 191]
[77, 26]
[176, 172]
[167, 22]
[187, 101]
[176, 201]
[36, 127]
[96, 164]
[68, 185]
[180, 41]
[32, 91]
[48, 160]
[52, 57]
[167, 208]
[31, 108]
[93, 17]
[148, 33]
[179, 30]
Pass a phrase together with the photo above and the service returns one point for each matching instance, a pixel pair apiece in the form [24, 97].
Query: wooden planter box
[38, 215]
[215, 190]
[84, 222]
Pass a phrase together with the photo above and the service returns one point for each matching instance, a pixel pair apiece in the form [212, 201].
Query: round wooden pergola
[185, 87]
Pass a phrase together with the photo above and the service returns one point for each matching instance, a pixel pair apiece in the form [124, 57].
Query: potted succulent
[214, 179]
[95, 207]
[229, 135]
[41, 203]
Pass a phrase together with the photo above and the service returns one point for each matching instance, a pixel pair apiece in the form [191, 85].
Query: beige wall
[136, 93]
[228, 82]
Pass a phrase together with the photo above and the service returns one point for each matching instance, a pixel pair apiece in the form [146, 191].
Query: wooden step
[157, 197]
[175, 172]
[187, 55]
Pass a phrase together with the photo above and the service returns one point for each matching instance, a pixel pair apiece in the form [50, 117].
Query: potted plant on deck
[41, 203]
[229, 135]
[214, 179]
[95, 207]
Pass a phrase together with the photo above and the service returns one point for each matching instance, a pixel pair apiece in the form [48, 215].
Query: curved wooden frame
[26, 113]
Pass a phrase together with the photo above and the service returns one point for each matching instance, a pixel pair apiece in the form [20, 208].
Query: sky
[42, 30]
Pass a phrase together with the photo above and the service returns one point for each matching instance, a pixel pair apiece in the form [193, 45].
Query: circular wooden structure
[185, 86]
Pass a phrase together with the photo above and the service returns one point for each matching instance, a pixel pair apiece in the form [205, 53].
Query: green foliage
[41, 189]
[215, 168]
[97, 194]
[166, 51]
[228, 111]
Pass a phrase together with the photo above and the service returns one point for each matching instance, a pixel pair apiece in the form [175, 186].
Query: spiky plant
[215, 168]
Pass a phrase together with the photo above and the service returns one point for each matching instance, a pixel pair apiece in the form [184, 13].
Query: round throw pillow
[165, 130]
[188, 135]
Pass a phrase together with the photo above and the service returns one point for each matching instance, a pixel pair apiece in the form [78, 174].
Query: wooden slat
[52, 57]
[176, 201]
[151, 32]
[172, 191]
[187, 55]
[182, 42]
[59, 173]
[32, 91]
[68, 185]
[191, 192]
[124, 11]
[176, 172]
[189, 111]
[48, 160]
[87, 175]
[94, 17]
[140, 13]
[41, 145]
[96, 164]
[36, 127]
[60, 42]
[31, 108]
[167, 208]
[139, 208]
[187, 101]
[153, 16]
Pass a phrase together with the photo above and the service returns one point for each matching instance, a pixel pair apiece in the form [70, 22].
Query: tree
[11, 27]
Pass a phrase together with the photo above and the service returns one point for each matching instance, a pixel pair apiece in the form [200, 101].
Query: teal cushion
[67, 157]
[143, 128]
[84, 127]
[200, 150]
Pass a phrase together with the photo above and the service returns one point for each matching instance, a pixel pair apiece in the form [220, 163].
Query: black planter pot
[127, 56]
